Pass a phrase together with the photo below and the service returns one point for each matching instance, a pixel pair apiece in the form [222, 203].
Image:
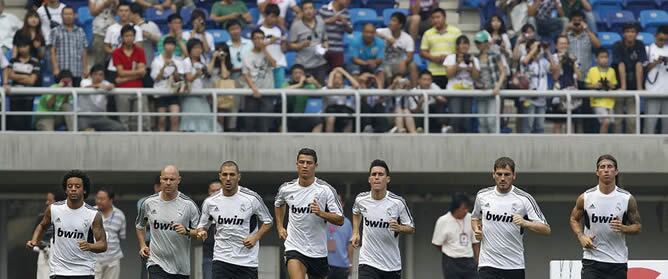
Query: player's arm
[406, 226]
[476, 252]
[140, 226]
[476, 226]
[632, 224]
[39, 230]
[575, 219]
[263, 214]
[537, 222]
[100, 236]
[331, 217]
[355, 240]
[193, 221]
[279, 213]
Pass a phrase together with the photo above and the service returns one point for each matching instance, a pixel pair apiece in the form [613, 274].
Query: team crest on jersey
[515, 208]
[592, 206]
[389, 212]
[58, 220]
[180, 212]
[618, 207]
[243, 207]
[86, 222]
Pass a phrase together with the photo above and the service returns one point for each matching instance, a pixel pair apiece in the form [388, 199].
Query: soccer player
[500, 216]
[172, 217]
[78, 231]
[610, 213]
[385, 215]
[235, 212]
[312, 203]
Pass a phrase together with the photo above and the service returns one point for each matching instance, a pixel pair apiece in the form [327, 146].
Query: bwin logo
[376, 224]
[602, 219]
[67, 234]
[499, 218]
[230, 221]
[301, 210]
[163, 226]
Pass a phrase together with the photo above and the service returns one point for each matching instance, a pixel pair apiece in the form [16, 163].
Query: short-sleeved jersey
[69, 227]
[599, 210]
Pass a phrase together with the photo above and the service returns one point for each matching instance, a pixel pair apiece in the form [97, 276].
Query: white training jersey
[380, 245]
[501, 246]
[169, 250]
[235, 218]
[307, 233]
[600, 209]
[69, 227]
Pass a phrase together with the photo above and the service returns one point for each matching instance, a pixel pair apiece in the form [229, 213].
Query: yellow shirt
[594, 76]
[439, 44]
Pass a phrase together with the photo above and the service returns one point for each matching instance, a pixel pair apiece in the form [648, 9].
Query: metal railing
[358, 95]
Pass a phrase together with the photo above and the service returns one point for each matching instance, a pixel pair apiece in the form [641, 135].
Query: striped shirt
[335, 30]
[114, 227]
[69, 47]
[581, 47]
[437, 44]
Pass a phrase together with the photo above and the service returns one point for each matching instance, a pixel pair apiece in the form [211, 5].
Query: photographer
[197, 21]
[462, 69]
[536, 64]
[403, 105]
[492, 77]
[565, 74]
[629, 56]
[297, 104]
[50, 16]
[602, 77]
[166, 72]
[657, 80]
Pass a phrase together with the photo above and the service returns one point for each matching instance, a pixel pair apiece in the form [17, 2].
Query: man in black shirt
[629, 57]
[22, 71]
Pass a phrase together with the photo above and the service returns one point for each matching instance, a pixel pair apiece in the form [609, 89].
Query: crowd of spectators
[528, 45]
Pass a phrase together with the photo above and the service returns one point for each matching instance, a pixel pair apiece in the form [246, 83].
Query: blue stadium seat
[349, 37]
[255, 13]
[617, 20]
[420, 63]
[185, 14]
[650, 20]
[387, 14]
[361, 16]
[608, 39]
[662, 4]
[313, 105]
[379, 5]
[605, 6]
[76, 4]
[88, 29]
[219, 36]
[290, 57]
[8, 54]
[157, 16]
[636, 6]
[84, 17]
[646, 38]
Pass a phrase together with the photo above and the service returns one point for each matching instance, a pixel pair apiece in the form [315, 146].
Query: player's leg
[592, 270]
[368, 272]
[489, 273]
[316, 268]
[296, 269]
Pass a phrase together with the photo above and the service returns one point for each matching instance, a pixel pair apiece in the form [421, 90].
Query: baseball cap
[481, 37]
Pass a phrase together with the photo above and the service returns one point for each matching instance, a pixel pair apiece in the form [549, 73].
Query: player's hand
[202, 234]
[282, 233]
[617, 226]
[84, 245]
[587, 242]
[519, 220]
[394, 225]
[180, 229]
[315, 207]
[355, 240]
[144, 252]
[31, 244]
[250, 241]
[477, 232]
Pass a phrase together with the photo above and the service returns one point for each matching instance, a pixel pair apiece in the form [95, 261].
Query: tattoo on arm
[634, 214]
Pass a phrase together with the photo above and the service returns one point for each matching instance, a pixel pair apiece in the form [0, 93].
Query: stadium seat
[185, 13]
[379, 5]
[646, 38]
[158, 16]
[617, 20]
[420, 63]
[387, 14]
[636, 6]
[650, 20]
[608, 39]
[605, 6]
[219, 36]
[290, 57]
[84, 17]
[88, 29]
[313, 105]
[361, 16]
[662, 4]
[255, 14]
[76, 4]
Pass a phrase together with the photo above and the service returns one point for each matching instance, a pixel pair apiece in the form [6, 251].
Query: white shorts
[603, 111]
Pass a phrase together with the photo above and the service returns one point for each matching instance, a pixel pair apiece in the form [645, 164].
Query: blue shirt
[359, 49]
[342, 236]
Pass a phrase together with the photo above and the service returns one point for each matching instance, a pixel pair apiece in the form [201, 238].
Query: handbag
[519, 80]
[225, 102]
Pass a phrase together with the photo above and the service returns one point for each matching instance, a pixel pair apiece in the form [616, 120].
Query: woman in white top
[462, 68]
[198, 71]
[499, 36]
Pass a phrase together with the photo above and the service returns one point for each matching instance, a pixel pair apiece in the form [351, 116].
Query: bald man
[172, 217]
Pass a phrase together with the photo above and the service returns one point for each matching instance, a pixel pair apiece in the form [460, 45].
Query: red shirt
[127, 62]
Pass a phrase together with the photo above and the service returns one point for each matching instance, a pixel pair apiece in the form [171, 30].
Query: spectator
[420, 16]
[96, 103]
[517, 11]
[198, 72]
[9, 24]
[657, 80]
[337, 22]
[437, 104]
[399, 49]
[108, 264]
[402, 105]
[520, 50]
[113, 38]
[373, 104]
[130, 62]
[258, 73]
[151, 35]
[157, 4]
[339, 104]
[50, 17]
[168, 73]
[226, 10]
[175, 24]
[55, 103]
[3, 65]
[276, 43]
[462, 68]
[565, 77]
[437, 43]
[602, 77]
[222, 67]
[297, 104]
[31, 31]
[307, 36]
[629, 56]
[197, 21]
[536, 66]
[492, 77]
[340, 249]
[283, 5]
[582, 41]
[103, 11]
[69, 48]
[208, 243]
[496, 29]
[22, 71]
[580, 6]
[548, 27]
[238, 46]
[367, 53]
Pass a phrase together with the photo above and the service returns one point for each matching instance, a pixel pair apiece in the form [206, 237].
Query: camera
[664, 59]
[467, 58]
[605, 84]
[498, 42]
[309, 38]
[544, 44]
